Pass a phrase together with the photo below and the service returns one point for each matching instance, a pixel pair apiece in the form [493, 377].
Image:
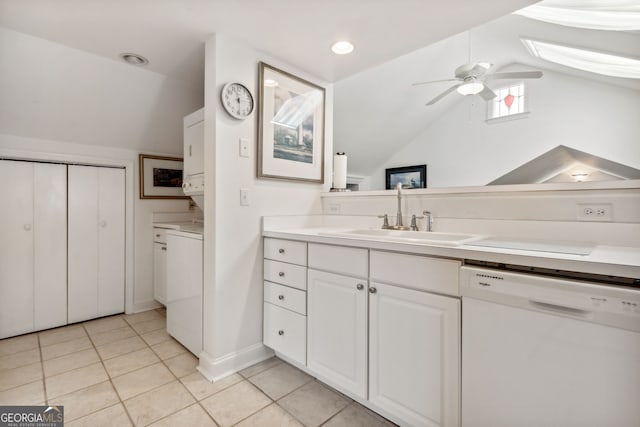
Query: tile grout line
[44, 382]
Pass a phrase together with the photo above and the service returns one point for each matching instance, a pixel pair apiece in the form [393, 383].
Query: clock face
[237, 100]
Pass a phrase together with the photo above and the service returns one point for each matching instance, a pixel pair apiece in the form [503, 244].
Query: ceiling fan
[472, 78]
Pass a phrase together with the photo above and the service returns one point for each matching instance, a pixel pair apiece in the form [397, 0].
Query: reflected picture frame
[409, 176]
[160, 177]
[291, 125]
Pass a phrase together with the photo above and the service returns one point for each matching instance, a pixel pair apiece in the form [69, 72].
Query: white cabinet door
[160, 272]
[414, 364]
[16, 249]
[194, 143]
[96, 242]
[337, 330]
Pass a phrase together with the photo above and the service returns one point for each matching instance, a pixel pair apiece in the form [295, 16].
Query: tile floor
[126, 370]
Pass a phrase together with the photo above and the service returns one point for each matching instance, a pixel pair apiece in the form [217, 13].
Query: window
[508, 102]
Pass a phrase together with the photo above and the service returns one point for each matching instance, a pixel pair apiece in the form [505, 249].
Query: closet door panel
[50, 245]
[83, 243]
[111, 230]
[16, 248]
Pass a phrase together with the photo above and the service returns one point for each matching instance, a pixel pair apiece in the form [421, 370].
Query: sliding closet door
[96, 242]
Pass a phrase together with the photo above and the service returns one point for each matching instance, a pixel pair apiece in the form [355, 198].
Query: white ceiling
[171, 33]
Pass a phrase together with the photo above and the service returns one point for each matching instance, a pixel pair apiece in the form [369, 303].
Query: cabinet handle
[164, 248]
[190, 154]
[280, 332]
[372, 290]
[281, 251]
[280, 297]
[360, 286]
[157, 235]
[103, 223]
[27, 227]
[281, 274]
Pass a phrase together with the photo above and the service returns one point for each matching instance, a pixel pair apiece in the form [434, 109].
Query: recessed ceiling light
[586, 60]
[342, 47]
[619, 15]
[134, 59]
[270, 83]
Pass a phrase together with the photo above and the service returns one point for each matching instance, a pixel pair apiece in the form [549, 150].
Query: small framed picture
[408, 176]
[290, 127]
[161, 177]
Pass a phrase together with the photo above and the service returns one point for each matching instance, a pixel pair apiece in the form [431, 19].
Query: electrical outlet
[334, 208]
[244, 197]
[595, 211]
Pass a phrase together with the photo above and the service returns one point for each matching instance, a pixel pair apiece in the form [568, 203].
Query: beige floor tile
[11, 378]
[105, 324]
[168, 349]
[280, 380]
[106, 337]
[130, 362]
[67, 347]
[272, 415]
[16, 360]
[183, 364]
[356, 415]
[201, 387]
[313, 403]
[144, 316]
[27, 394]
[77, 379]
[156, 404]
[150, 325]
[259, 367]
[87, 400]
[120, 347]
[142, 380]
[113, 416]
[62, 334]
[156, 337]
[69, 362]
[193, 415]
[235, 403]
[18, 344]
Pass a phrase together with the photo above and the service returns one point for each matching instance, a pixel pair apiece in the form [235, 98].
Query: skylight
[586, 60]
[611, 15]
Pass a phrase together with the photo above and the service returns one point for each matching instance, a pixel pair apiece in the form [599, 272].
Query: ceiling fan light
[471, 88]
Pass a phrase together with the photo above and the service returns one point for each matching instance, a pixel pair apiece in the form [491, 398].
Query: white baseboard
[145, 306]
[216, 369]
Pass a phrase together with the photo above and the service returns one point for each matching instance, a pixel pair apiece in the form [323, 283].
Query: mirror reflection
[568, 125]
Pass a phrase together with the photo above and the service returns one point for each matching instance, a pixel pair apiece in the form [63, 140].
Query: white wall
[461, 149]
[62, 104]
[233, 244]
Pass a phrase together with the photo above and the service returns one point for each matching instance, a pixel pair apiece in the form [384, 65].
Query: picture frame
[160, 177]
[291, 121]
[409, 176]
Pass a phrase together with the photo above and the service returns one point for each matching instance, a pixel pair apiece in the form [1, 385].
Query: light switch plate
[244, 197]
[244, 147]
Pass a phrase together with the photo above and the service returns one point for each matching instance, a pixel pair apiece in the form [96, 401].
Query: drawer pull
[360, 286]
[157, 235]
[164, 248]
[280, 297]
[280, 332]
[372, 290]
[281, 250]
[281, 274]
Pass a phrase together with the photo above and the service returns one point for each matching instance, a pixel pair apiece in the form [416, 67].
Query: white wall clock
[237, 100]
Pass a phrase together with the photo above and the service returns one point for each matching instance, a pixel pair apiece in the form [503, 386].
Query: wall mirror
[381, 120]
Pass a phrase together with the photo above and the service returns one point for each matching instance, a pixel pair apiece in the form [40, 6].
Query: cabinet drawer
[286, 250]
[418, 272]
[339, 259]
[285, 274]
[286, 297]
[285, 332]
[159, 235]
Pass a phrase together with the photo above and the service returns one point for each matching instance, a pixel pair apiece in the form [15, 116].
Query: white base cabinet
[160, 265]
[414, 347]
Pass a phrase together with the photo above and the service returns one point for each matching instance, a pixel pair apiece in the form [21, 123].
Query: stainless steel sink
[426, 237]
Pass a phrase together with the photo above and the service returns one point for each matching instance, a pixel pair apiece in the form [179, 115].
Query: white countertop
[185, 226]
[605, 260]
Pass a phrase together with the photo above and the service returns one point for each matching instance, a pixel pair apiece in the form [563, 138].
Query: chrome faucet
[429, 217]
[399, 225]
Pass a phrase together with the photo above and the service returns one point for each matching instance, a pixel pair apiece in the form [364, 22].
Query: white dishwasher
[542, 351]
[185, 288]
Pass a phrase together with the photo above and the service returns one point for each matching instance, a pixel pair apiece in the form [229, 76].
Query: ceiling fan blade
[443, 94]
[516, 75]
[487, 94]
[434, 81]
